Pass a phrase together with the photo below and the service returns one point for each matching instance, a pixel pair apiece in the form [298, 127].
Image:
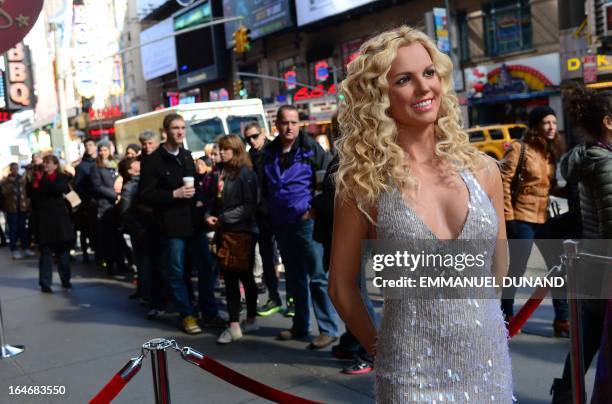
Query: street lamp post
[61, 86]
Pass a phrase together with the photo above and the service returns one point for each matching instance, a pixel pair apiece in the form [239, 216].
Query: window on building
[463, 33]
[507, 26]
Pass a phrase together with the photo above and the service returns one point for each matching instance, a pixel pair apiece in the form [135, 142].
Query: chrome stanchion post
[577, 371]
[6, 350]
[158, 347]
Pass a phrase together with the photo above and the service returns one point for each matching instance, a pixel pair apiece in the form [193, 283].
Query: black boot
[561, 392]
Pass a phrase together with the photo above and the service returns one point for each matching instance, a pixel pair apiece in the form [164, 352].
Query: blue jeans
[524, 235]
[267, 247]
[17, 230]
[197, 248]
[45, 265]
[303, 260]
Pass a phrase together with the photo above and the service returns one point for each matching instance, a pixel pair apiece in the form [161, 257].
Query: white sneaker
[229, 335]
[249, 327]
[17, 255]
[29, 253]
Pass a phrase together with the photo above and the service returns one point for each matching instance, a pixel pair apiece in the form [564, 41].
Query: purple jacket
[289, 187]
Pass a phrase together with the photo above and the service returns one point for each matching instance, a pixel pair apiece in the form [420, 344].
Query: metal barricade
[157, 348]
[573, 257]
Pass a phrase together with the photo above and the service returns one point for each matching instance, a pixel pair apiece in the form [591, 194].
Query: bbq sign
[17, 17]
[18, 78]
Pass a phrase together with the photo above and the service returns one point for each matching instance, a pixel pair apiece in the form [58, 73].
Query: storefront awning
[496, 99]
[603, 84]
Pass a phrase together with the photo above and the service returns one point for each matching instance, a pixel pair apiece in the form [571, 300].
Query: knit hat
[104, 143]
[539, 113]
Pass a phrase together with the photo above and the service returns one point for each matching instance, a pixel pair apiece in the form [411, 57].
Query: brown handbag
[234, 251]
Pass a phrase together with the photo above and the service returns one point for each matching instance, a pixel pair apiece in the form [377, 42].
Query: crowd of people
[401, 168]
[166, 218]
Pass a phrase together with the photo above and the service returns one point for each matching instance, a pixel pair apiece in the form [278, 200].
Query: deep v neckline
[426, 227]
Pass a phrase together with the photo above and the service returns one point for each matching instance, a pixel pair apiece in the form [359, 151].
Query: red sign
[589, 68]
[100, 132]
[350, 50]
[319, 91]
[17, 17]
[5, 116]
[172, 98]
[321, 70]
[105, 113]
[18, 85]
[290, 79]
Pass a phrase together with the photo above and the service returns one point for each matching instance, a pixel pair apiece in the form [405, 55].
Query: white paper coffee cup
[188, 181]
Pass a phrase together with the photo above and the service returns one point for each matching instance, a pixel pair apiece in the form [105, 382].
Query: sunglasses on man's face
[253, 136]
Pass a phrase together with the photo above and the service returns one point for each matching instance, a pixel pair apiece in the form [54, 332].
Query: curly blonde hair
[370, 158]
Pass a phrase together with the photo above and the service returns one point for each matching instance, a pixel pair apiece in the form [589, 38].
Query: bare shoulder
[488, 175]
[348, 216]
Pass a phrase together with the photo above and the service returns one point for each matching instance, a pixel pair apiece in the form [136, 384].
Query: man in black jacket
[167, 179]
[85, 218]
[257, 140]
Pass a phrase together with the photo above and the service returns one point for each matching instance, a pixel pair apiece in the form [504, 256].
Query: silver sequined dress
[441, 350]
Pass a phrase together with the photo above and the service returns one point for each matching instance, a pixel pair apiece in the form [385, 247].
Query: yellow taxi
[495, 140]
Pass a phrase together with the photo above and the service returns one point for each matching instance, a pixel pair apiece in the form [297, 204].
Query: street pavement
[80, 339]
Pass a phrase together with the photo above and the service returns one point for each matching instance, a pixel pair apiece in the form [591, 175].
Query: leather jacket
[538, 177]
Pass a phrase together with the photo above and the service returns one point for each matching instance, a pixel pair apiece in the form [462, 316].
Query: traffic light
[238, 43]
[238, 88]
[242, 39]
[246, 36]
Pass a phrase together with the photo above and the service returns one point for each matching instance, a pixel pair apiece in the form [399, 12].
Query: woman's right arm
[350, 228]
[508, 168]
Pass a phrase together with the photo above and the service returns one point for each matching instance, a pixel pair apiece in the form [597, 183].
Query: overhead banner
[262, 17]
[199, 54]
[532, 74]
[315, 10]
[19, 93]
[159, 57]
[2, 94]
[441, 25]
[16, 20]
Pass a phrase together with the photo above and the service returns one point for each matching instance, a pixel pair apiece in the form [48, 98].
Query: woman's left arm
[490, 178]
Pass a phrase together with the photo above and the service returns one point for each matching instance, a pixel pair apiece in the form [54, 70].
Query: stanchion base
[8, 351]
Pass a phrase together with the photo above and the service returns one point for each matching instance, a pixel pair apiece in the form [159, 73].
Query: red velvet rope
[523, 315]
[250, 385]
[110, 391]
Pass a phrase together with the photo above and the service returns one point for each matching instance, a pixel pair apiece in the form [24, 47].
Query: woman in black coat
[103, 175]
[56, 233]
[232, 210]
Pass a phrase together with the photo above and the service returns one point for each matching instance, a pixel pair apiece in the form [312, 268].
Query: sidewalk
[80, 339]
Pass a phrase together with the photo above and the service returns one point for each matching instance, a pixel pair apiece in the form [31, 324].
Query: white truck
[206, 121]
